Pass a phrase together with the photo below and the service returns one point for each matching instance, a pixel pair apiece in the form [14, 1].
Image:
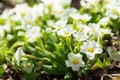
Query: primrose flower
[75, 61]
[69, 11]
[104, 21]
[94, 28]
[1, 31]
[85, 17]
[48, 2]
[79, 26]
[103, 31]
[27, 66]
[7, 26]
[90, 48]
[27, 22]
[80, 36]
[75, 16]
[10, 36]
[113, 9]
[66, 31]
[60, 23]
[18, 55]
[33, 33]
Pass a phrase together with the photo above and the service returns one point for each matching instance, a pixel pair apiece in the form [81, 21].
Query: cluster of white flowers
[30, 22]
[113, 9]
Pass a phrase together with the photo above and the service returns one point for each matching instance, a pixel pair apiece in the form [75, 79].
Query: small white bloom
[79, 26]
[94, 29]
[85, 17]
[27, 66]
[103, 31]
[9, 36]
[2, 32]
[75, 16]
[18, 55]
[50, 23]
[27, 22]
[69, 11]
[66, 31]
[21, 33]
[83, 28]
[37, 10]
[60, 23]
[104, 21]
[112, 10]
[90, 48]
[80, 36]
[75, 61]
[48, 30]
[48, 2]
[33, 33]
[7, 26]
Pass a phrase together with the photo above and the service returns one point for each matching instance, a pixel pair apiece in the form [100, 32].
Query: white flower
[86, 29]
[113, 9]
[27, 66]
[90, 48]
[60, 23]
[83, 28]
[85, 17]
[66, 31]
[80, 36]
[94, 29]
[27, 22]
[2, 32]
[65, 2]
[33, 33]
[48, 2]
[75, 16]
[18, 55]
[37, 10]
[20, 33]
[103, 31]
[104, 21]
[69, 11]
[10, 36]
[75, 61]
[7, 26]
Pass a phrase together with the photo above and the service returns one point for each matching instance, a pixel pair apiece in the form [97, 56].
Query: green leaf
[53, 70]
[100, 64]
[1, 71]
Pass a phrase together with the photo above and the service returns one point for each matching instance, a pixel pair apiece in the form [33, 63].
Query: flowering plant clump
[57, 39]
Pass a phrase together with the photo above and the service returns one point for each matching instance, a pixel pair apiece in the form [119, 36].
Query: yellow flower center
[114, 10]
[29, 21]
[103, 33]
[59, 27]
[75, 61]
[78, 28]
[91, 50]
[27, 65]
[93, 30]
[84, 20]
[32, 33]
[67, 33]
